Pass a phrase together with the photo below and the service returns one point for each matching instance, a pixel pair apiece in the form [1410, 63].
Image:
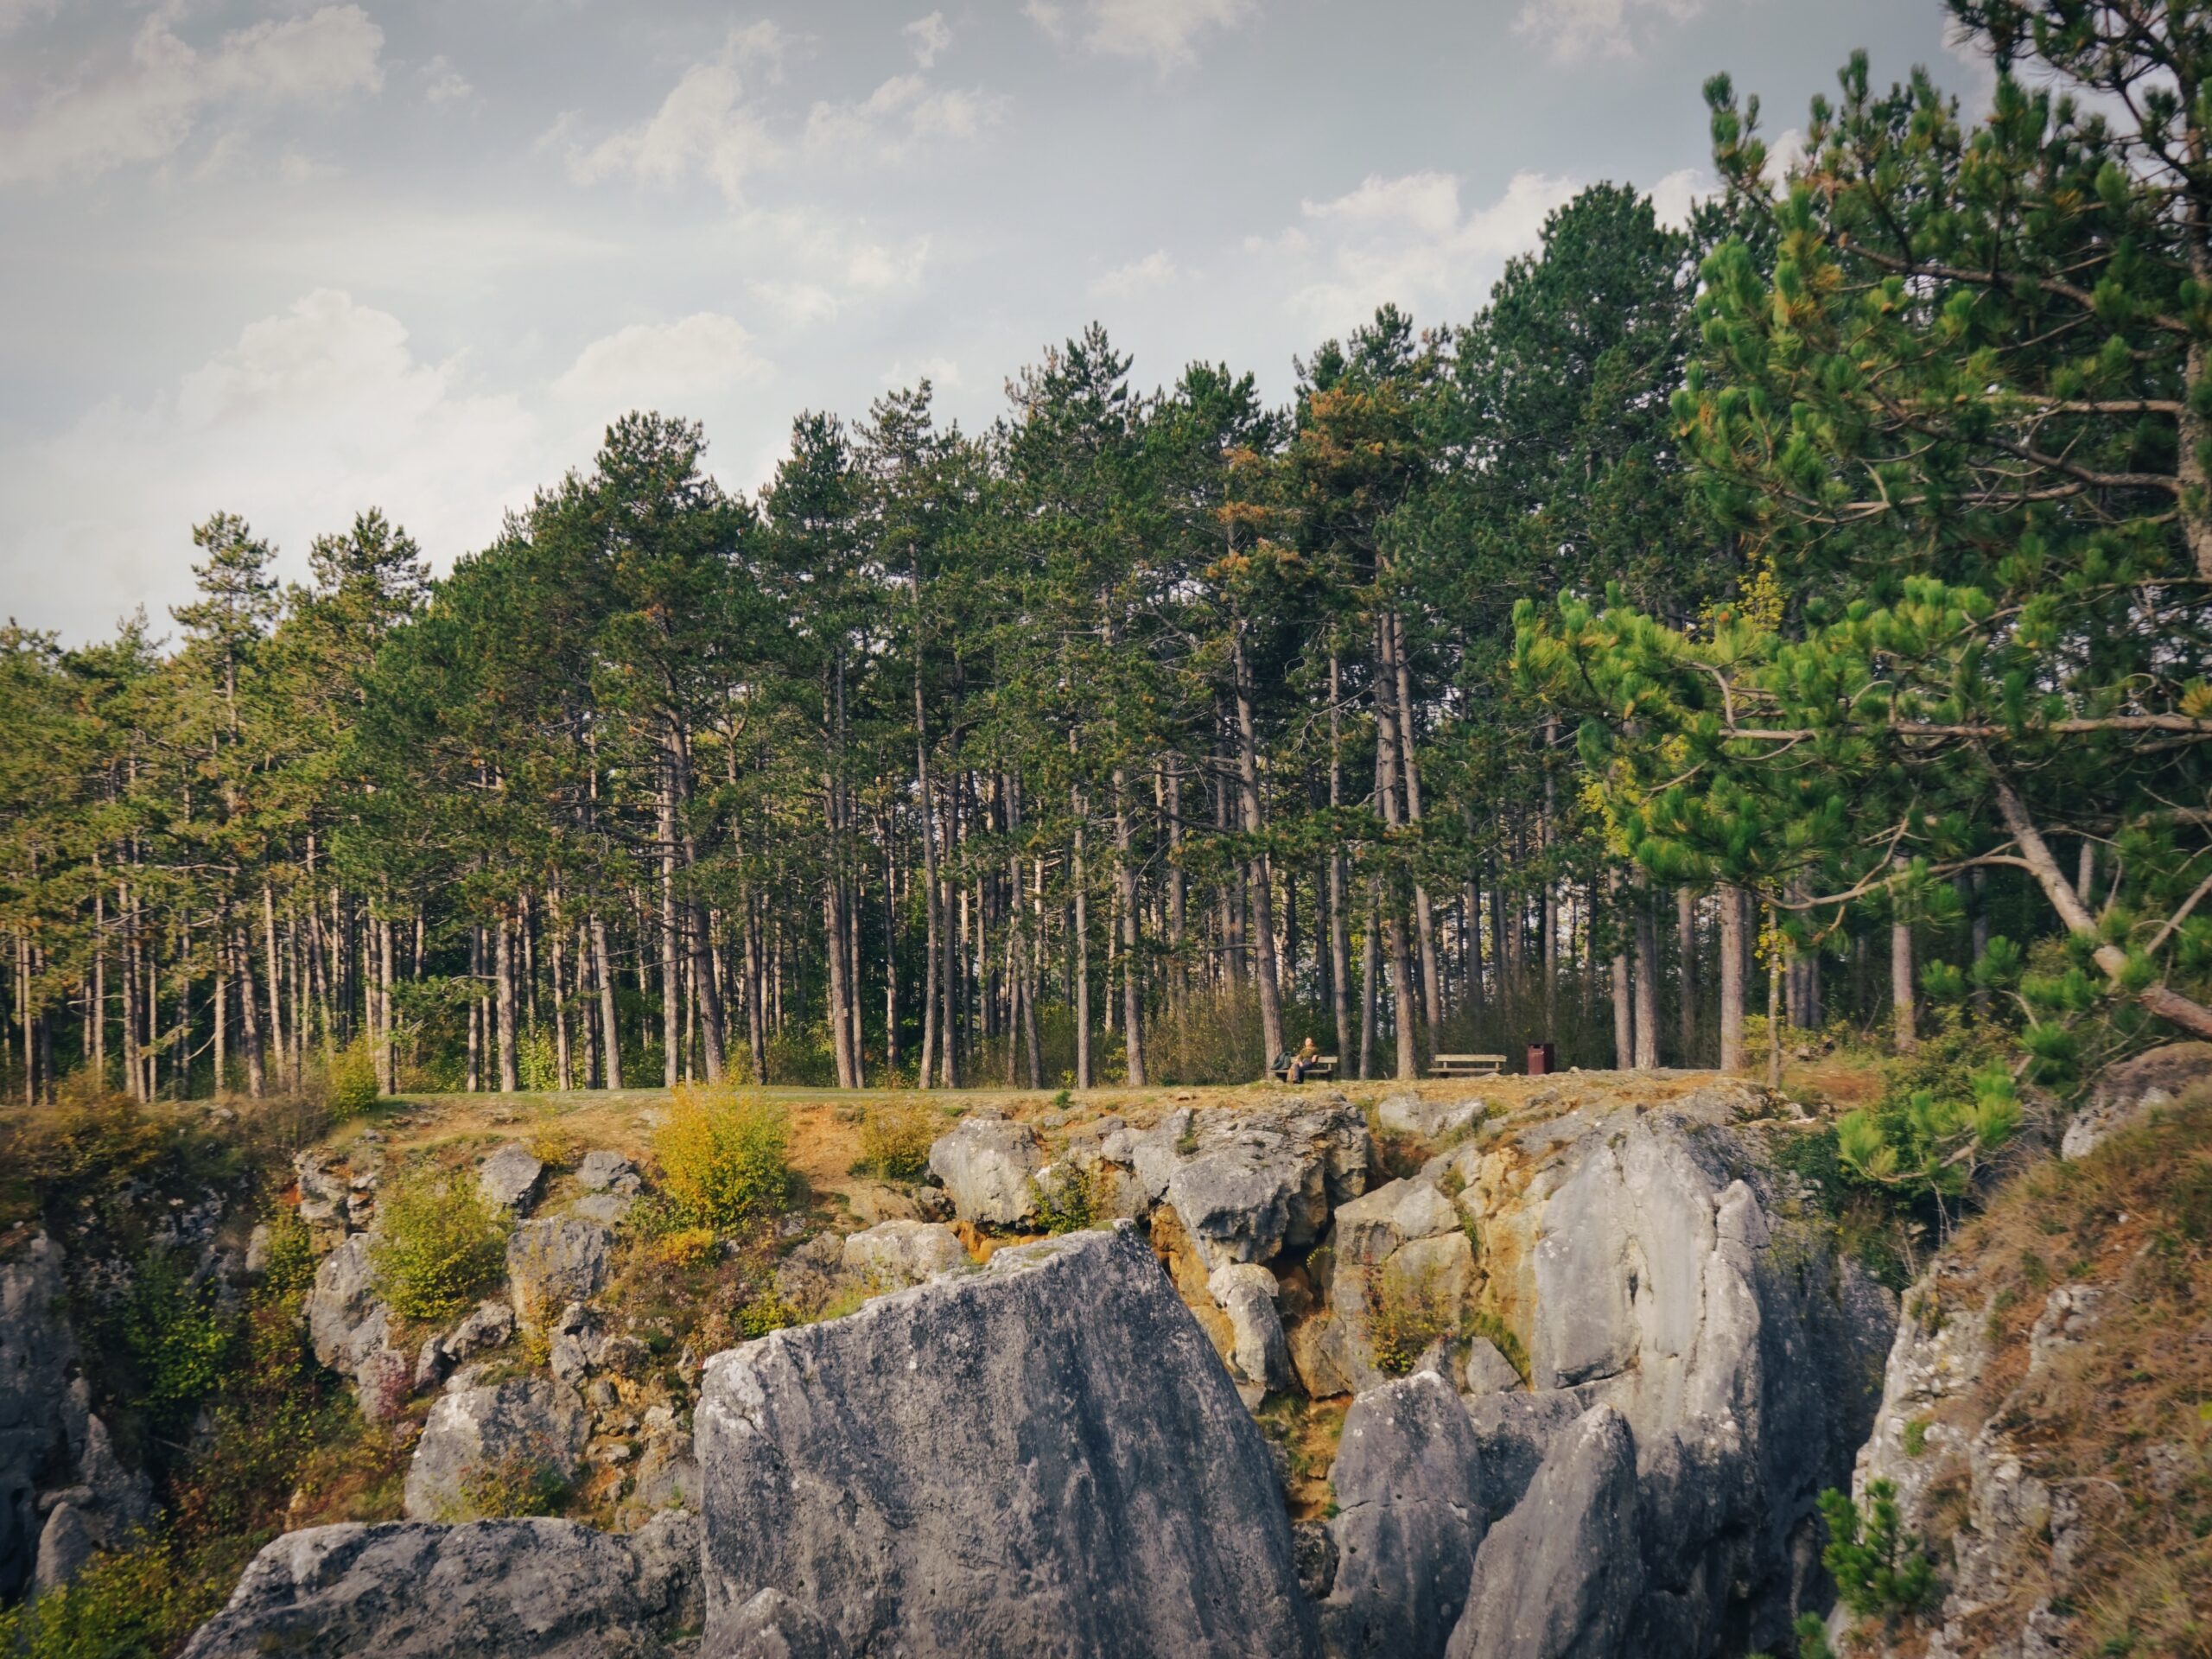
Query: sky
[292, 259]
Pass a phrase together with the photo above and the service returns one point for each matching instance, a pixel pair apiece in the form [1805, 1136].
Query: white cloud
[903, 111]
[1165, 31]
[310, 416]
[928, 37]
[703, 125]
[672, 366]
[1976, 81]
[443, 83]
[1155, 270]
[799, 303]
[1570, 29]
[145, 108]
[14, 13]
[942, 372]
[1408, 240]
[1673, 196]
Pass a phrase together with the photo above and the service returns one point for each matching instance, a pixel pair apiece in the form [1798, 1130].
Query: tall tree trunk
[1647, 979]
[1432, 987]
[503, 967]
[1125, 885]
[610, 1030]
[1386, 786]
[1733, 958]
[1081, 974]
[276, 1041]
[1686, 971]
[387, 1046]
[1367, 988]
[564, 1065]
[1905, 1028]
[1263, 925]
[1339, 932]
[840, 1024]
[1774, 1006]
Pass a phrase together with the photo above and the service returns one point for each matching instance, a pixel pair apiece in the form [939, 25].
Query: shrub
[1065, 1203]
[178, 1335]
[1879, 1569]
[350, 1079]
[895, 1139]
[145, 1599]
[685, 1248]
[765, 1312]
[556, 1149]
[1410, 1314]
[442, 1246]
[288, 1257]
[517, 1485]
[722, 1157]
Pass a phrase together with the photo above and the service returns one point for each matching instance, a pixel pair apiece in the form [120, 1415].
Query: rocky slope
[1594, 1357]
[2041, 1423]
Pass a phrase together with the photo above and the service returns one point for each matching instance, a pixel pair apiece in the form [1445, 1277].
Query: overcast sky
[292, 259]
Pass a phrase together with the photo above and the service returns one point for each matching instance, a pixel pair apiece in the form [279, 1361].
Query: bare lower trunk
[1125, 884]
[1732, 979]
[1905, 1028]
[1082, 974]
[1686, 972]
[504, 957]
[610, 1032]
[1624, 988]
[1263, 928]
[1647, 982]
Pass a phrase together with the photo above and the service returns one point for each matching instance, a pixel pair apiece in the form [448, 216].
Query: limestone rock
[606, 1170]
[346, 1321]
[986, 1163]
[509, 1177]
[1247, 1185]
[555, 1260]
[1247, 1295]
[382, 1382]
[325, 1195]
[479, 1438]
[1409, 1518]
[1489, 1371]
[607, 1209]
[773, 1626]
[1560, 1577]
[952, 1470]
[2127, 1092]
[488, 1327]
[1404, 1241]
[36, 1352]
[893, 1254]
[534, 1589]
[1432, 1119]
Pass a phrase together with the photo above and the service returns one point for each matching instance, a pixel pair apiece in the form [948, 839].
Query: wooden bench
[1466, 1065]
[1323, 1066]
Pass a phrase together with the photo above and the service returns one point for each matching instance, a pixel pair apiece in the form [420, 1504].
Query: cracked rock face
[36, 1353]
[534, 1589]
[346, 1322]
[986, 1164]
[1039, 1456]
[895, 1254]
[509, 1177]
[552, 1262]
[2126, 1093]
[481, 1440]
[1248, 1185]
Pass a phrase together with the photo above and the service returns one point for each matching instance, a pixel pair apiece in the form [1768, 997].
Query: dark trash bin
[1543, 1060]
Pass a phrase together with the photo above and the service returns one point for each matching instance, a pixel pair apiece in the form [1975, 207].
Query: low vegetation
[724, 1157]
[441, 1245]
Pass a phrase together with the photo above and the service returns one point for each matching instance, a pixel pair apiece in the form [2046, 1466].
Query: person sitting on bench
[1302, 1062]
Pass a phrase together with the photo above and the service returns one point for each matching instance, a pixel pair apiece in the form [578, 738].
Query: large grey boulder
[2124, 1094]
[326, 1196]
[533, 1589]
[1432, 1119]
[554, 1261]
[1248, 1183]
[986, 1163]
[36, 1353]
[509, 1177]
[1560, 1577]
[1246, 1295]
[606, 1170]
[1403, 1242]
[1409, 1516]
[347, 1322]
[1039, 1456]
[483, 1442]
[773, 1626]
[893, 1254]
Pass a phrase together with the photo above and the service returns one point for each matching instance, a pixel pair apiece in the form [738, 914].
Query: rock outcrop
[2123, 1094]
[987, 1163]
[893, 1254]
[36, 1356]
[509, 1177]
[484, 1446]
[347, 1322]
[554, 1261]
[1041, 1455]
[488, 1590]
[1249, 1185]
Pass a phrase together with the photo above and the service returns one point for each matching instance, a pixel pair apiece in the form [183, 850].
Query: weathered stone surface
[607, 1209]
[1560, 1577]
[533, 1589]
[346, 1321]
[2125, 1093]
[893, 1254]
[1403, 1240]
[1488, 1370]
[325, 1195]
[555, 1261]
[773, 1626]
[1248, 1183]
[488, 1327]
[606, 1170]
[382, 1382]
[36, 1352]
[1409, 1516]
[1246, 1293]
[986, 1164]
[66, 1544]
[509, 1177]
[1432, 1119]
[1042, 1455]
[479, 1438]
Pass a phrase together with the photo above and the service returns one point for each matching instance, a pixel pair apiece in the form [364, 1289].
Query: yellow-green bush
[685, 1248]
[350, 1079]
[721, 1156]
[1410, 1312]
[895, 1139]
[441, 1246]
